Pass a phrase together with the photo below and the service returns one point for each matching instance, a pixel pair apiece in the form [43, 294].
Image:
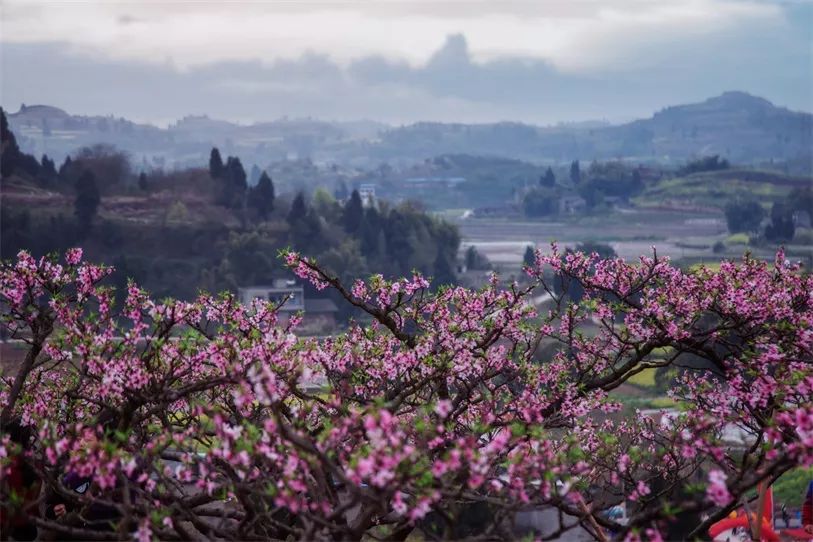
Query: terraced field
[713, 189]
[631, 233]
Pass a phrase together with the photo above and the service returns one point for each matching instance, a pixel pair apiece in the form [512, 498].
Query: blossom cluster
[218, 418]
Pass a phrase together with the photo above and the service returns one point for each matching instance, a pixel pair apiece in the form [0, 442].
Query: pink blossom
[73, 256]
[256, 414]
[623, 463]
[716, 491]
[443, 408]
[144, 532]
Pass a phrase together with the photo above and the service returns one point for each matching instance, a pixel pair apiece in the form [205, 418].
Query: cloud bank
[402, 61]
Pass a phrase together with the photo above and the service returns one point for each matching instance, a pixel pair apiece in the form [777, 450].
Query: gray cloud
[449, 86]
[576, 36]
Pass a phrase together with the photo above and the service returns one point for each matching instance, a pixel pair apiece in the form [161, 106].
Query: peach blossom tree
[212, 419]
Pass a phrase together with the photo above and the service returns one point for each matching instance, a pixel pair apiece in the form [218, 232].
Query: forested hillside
[205, 228]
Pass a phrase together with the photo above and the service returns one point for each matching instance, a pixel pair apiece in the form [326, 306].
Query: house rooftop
[278, 284]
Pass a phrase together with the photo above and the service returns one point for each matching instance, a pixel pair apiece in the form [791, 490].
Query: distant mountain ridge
[737, 125]
[743, 128]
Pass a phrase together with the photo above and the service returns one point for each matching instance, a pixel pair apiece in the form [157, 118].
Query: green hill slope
[716, 188]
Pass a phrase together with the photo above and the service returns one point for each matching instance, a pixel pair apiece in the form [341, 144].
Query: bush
[541, 202]
[707, 163]
[781, 227]
[475, 260]
[744, 215]
[737, 239]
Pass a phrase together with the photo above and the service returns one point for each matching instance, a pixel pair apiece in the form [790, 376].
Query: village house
[569, 205]
[367, 194]
[319, 314]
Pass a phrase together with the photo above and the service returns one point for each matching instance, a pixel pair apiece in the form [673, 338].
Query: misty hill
[43, 129]
[736, 125]
[739, 127]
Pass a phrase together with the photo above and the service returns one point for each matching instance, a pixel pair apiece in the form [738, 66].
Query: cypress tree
[87, 201]
[12, 159]
[575, 172]
[233, 186]
[781, 227]
[444, 272]
[65, 167]
[549, 179]
[47, 170]
[262, 196]
[215, 164]
[48, 166]
[529, 257]
[353, 213]
[368, 232]
[8, 143]
[298, 209]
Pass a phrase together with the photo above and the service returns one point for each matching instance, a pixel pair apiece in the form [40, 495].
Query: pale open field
[685, 235]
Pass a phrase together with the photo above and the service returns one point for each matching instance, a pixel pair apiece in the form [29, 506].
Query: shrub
[737, 239]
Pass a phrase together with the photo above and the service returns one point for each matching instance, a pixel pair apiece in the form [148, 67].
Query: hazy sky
[537, 61]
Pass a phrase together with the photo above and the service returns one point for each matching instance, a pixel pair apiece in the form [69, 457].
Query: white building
[280, 291]
[319, 314]
[367, 193]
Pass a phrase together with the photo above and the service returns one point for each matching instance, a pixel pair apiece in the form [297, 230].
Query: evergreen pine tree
[368, 232]
[262, 196]
[47, 169]
[444, 272]
[529, 257]
[471, 258]
[381, 247]
[65, 168]
[12, 159]
[781, 228]
[298, 209]
[311, 237]
[575, 172]
[8, 143]
[236, 174]
[48, 166]
[353, 213]
[549, 179]
[87, 201]
[215, 164]
[233, 187]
